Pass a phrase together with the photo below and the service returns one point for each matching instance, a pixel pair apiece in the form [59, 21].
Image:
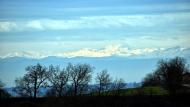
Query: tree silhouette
[1, 84]
[30, 84]
[80, 76]
[151, 79]
[24, 86]
[3, 93]
[1, 89]
[171, 73]
[59, 79]
[117, 85]
[103, 80]
[168, 74]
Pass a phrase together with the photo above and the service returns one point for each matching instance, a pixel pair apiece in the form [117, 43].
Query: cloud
[107, 51]
[30, 54]
[158, 40]
[91, 22]
[36, 24]
[7, 26]
[110, 50]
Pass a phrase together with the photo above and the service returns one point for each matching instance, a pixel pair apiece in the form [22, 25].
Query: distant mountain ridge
[117, 52]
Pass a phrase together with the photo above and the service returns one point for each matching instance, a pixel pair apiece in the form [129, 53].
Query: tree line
[74, 79]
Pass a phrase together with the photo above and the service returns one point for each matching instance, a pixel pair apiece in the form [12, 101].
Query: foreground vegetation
[134, 97]
[98, 101]
[167, 86]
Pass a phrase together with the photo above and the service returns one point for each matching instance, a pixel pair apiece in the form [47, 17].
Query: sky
[132, 29]
[93, 28]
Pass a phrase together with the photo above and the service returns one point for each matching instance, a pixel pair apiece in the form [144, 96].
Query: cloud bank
[121, 21]
[111, 50]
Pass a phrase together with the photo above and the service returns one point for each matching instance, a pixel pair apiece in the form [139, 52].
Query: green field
[136, 91]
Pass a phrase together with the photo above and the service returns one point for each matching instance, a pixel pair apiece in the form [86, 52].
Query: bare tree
[59, 79]
[117, 85]
[169, 74]
[80, 76]
[152, 79]
[103, 80]
[32, 81]
[24, 86]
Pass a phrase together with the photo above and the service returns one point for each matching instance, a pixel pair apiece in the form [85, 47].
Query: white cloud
[97, 22]
[7, 26]
[107, 51]
[36, 24]
[34, 55]
[110, 50]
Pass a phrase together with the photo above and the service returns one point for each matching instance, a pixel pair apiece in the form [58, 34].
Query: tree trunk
[75, 90]
[35, 87]
[60, 92]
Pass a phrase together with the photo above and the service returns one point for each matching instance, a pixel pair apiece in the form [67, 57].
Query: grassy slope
[137, 91]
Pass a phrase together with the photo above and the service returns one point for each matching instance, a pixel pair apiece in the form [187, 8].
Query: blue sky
[93, 28]
[138, 32]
